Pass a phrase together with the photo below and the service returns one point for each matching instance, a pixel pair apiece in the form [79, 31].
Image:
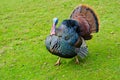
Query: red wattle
[53, 30]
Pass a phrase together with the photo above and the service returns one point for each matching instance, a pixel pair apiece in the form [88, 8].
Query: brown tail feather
[87, 19]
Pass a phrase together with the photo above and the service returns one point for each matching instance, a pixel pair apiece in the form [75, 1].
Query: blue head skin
[55, 21]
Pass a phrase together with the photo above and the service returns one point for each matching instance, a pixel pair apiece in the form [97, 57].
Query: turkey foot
[58, 62]
[76, 60]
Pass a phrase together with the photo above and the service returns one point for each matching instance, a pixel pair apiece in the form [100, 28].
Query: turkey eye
[66, 37]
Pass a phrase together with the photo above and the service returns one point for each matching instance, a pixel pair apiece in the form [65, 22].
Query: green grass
[24, 25]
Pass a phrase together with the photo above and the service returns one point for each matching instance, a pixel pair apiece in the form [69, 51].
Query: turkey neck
[53, 29]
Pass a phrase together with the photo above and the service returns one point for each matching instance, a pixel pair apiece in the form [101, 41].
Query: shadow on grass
[70, 64]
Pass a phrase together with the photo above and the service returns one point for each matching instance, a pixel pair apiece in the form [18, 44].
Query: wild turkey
[68, 40]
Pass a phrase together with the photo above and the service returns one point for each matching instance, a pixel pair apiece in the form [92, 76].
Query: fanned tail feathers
[86, 17]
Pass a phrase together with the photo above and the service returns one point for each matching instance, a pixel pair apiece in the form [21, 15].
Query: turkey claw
[57, 63]
[77, 62]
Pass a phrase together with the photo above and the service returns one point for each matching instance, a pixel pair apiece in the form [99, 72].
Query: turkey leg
[58, 62]
[76, 60]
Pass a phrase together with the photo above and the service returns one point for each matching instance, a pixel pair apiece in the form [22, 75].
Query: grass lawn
[24, 25]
